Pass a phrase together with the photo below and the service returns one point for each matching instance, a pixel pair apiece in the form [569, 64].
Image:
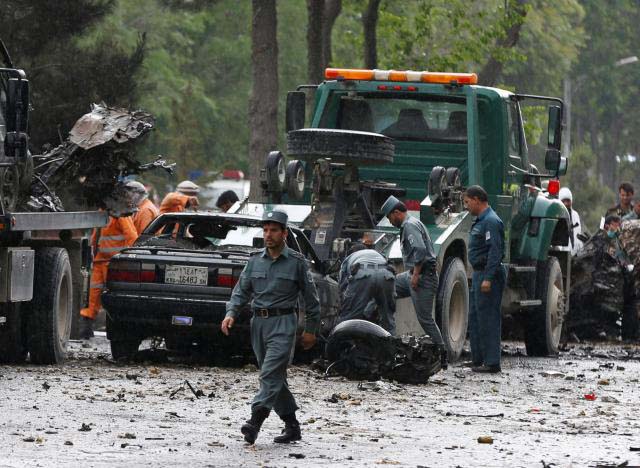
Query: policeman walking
[367, 281]
[420, 280]
[274, 277]
[486, 249]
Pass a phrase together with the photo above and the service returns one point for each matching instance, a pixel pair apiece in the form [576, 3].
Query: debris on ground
[485, 440]
[356, 349]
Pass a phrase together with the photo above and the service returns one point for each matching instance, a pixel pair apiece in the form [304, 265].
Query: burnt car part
[362, 350]
[87, 169]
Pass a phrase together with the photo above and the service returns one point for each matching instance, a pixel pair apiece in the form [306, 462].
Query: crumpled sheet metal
[86, 171]
[104, 124]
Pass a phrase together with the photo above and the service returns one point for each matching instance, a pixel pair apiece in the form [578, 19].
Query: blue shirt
[486, 243]
[415, 243]
[277, 283]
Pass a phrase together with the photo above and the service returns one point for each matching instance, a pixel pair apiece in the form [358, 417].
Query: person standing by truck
[625, 206]
[147, 211]
[366, 281]
[107, 242]
[486, 249]
[566, 197]
[273, 280]
[420, 280]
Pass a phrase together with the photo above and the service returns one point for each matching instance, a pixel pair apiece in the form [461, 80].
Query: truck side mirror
[296, 108]
[17, 105]
[554, 130]
[552, 160]
[562, 169]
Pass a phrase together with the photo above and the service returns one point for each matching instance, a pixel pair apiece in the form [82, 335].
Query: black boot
[444, 361]
[86, 328]
[251, 428]
[291, 431]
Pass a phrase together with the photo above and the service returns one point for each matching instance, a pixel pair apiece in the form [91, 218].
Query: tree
[369, 25]
[263, 104]
[315, 50]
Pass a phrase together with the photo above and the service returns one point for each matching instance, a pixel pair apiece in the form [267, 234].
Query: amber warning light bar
[393, 75]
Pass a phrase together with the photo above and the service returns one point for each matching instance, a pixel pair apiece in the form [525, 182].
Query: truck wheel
[124, 343]
[341, 146]
[12, 349]
[544, 324]
[49, 320]
[295, 180]
[452, 306]
[437, 181]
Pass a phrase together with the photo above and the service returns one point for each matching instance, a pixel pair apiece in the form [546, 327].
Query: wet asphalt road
[93, 412]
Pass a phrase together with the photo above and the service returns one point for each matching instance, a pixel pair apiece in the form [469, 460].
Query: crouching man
[367, 282]
[274, 277]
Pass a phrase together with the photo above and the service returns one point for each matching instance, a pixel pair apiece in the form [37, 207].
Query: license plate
[180, 320]
[179, 274]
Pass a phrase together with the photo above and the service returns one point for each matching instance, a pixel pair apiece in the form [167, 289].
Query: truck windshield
[406, 118]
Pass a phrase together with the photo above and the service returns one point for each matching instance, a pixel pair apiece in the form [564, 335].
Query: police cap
[391, 204]
[275, 216]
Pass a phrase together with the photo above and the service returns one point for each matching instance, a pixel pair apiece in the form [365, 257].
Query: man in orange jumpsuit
[107, 242]
[182, 199]
[147, 211]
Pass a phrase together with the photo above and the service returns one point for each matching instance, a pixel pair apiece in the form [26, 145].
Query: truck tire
[452, 306]
[12, 345]
[49, 317]
[543, 326]
[295, 180]
[437, 181]
[124, 342]
[341, 146]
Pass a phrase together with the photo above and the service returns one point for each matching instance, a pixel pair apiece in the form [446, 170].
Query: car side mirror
[296, 108]
[554, 130]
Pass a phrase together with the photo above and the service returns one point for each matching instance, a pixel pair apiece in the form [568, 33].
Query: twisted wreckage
[85, 172]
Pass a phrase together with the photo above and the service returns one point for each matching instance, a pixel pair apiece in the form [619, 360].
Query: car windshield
[207, 232]
[408, 118]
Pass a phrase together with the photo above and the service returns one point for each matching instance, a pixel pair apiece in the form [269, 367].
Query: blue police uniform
[486, 250]
[366, 282]
[273, 286]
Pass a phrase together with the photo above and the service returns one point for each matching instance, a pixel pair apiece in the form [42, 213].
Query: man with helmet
[147, 211]
[184, 198]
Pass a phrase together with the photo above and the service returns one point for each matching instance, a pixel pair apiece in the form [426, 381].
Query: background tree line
[215, 72]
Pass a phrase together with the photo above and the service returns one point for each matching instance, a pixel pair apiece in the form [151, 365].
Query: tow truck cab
[450, 133]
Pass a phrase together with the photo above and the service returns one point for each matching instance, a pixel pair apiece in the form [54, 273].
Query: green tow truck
[425, 136]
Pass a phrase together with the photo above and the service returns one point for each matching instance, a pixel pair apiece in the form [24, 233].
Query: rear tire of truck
[543, 326]
[124, 343]
[295, 180]
[49, 318]
[341, 146]
[12, 345]
[452, 306]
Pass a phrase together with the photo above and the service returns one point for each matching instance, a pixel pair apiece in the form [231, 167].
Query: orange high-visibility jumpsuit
[115, 236]
[175, 202]
[147, 212]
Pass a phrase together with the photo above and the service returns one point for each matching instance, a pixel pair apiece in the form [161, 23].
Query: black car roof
[234, 218]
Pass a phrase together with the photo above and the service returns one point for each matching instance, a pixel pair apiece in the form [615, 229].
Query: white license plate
[179, 274]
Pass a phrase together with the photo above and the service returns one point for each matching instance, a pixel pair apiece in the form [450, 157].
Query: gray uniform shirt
[416, 244]
[276, 284]
[364, 257]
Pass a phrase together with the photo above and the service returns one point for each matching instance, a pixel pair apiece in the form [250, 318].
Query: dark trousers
[423, 300]
[485, 319]
[273, 341]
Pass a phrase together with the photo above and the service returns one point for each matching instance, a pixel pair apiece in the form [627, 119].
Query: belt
[266, 313]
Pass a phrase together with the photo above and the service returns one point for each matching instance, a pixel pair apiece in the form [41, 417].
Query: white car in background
[231, 180]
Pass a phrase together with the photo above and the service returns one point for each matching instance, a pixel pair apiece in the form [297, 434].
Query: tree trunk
[263, 104]
[370, 23]
[332, 9]
[315, 53]
[492, 70]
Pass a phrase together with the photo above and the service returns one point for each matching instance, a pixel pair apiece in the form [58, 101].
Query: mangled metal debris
[86, 171]
[361, 350]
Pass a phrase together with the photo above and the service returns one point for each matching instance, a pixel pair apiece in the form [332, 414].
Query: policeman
[274, 278]
[366, 281]
[486, 249]
[420, 280]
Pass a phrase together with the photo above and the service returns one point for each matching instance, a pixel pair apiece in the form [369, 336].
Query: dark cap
[390, 205]
[275, 216]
